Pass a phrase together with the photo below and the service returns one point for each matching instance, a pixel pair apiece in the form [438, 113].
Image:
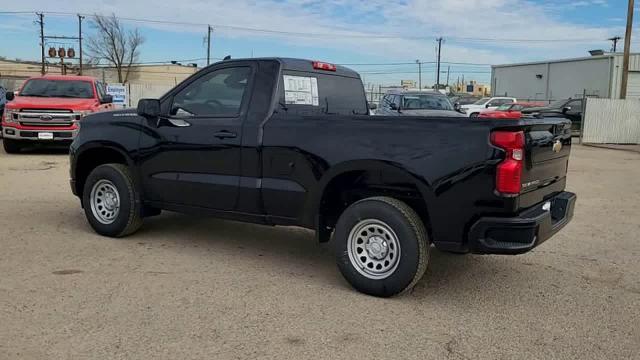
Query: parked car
[506, 111]
[3, 100]
[289, 142]
[464, 99]
[492, 103]
[416, 103]
[570, 108]
[48, 109]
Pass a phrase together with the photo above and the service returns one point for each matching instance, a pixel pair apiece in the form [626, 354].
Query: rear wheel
[111, 202]
[11, 146]
[381, 246]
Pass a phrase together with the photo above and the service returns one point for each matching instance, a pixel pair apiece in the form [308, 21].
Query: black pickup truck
[290, 142]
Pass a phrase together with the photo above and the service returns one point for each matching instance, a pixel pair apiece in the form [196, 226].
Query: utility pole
[419, 74]
[80, 17]
[438, 64]
[41, 22]
[209, 30]
[627, 48]
[615, 40]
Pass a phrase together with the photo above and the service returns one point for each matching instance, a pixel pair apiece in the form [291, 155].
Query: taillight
[319, 65]
[509, 171]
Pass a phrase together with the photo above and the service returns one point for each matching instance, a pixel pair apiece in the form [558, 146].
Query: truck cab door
[190, 155]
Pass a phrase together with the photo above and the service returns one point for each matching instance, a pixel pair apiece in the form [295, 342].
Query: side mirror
[372, 106]
[149, 107]
[107, 99]
[456, 106]
[10, 95]
[393, 106]
[564, 109]
[487, 106]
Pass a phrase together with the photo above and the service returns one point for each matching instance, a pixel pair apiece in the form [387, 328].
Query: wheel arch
[348, 182]
[92, 155]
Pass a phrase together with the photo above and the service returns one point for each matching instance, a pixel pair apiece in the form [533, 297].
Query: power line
[324, 34]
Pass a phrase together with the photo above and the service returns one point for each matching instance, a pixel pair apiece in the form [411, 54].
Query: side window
[494, 102]
[507, 101]
[385, 101]
[101, 90]
[395, 99]
[218, 93]
[575, 105]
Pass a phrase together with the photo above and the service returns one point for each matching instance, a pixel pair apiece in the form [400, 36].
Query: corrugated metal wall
[599, 75]
[554, 80]
[611, 121]
[616, 74]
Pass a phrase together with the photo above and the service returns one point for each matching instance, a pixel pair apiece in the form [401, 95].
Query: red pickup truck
[47, 109]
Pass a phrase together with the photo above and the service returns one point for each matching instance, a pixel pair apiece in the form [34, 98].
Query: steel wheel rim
[374, 249]
[105, 201]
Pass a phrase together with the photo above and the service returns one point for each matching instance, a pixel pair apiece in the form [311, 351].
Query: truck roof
[305, 65]
[65, 77]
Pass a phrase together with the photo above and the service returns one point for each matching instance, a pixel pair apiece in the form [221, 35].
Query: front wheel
[381, 246]
[111, 202]
[474, 115]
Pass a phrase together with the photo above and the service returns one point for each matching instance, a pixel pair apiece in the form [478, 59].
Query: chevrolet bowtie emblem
[557, 146]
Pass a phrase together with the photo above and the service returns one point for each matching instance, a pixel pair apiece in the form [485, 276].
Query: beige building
[13, 73]
[472, 88]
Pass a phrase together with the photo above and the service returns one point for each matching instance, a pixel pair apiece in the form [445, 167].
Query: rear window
[425, 102]
[320, 94]
[58, 88]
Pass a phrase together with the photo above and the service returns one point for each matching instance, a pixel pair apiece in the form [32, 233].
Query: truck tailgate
[547, 149]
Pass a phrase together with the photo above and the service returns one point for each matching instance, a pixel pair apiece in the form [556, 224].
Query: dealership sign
[119, 94]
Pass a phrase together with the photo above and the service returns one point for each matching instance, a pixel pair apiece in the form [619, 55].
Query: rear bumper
[517, 235]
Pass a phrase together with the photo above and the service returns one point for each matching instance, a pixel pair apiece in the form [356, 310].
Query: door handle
[224, 134]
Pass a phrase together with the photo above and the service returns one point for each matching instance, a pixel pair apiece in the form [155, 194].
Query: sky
[383, 38]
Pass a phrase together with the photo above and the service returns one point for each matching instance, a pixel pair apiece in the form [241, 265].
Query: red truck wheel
[11, 146]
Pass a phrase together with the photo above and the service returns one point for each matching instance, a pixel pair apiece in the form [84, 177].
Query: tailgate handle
[224, 134]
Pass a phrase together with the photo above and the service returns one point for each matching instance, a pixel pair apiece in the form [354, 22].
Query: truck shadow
[295, 250]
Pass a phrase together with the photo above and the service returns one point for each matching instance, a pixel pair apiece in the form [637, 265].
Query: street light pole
[438, 65]
[209, 29]
[419, 74]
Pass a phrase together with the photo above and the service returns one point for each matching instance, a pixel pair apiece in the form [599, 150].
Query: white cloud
[453, 19]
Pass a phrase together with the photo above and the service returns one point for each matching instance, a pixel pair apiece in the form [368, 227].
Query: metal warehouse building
[561, 79]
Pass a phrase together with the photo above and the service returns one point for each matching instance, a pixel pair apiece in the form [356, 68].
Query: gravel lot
[197, 288]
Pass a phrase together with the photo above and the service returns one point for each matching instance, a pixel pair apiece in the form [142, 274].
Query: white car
[491, 103]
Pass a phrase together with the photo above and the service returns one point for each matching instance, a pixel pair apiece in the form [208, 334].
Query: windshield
[58, 88]
[558, 103]
[426, 102]
[481, 101]
[504, 107]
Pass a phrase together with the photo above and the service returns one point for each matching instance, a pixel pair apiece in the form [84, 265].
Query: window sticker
[300, 90]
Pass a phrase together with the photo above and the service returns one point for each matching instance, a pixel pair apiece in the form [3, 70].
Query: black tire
[474, 115]
[11, 146]
[128, 218]
[411, 236]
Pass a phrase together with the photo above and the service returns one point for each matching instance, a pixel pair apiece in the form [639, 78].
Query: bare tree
[114, 44]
